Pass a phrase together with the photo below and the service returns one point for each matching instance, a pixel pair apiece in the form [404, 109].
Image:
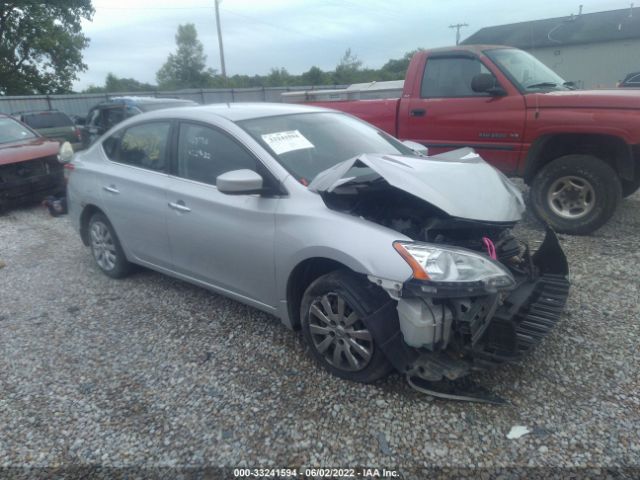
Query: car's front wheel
[575, 194]
[106, 248]
[332, 313]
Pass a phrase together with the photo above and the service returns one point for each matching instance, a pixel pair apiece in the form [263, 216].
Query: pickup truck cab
[578, 150]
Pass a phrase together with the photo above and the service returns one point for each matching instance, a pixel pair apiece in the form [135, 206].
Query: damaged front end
[444, 334]
[477, 297]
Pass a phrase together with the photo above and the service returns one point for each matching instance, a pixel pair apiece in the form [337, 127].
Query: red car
[30, 167]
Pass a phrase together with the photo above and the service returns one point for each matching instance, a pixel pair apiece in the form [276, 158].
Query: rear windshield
[12, 131]
[148, 107]
[47, 120]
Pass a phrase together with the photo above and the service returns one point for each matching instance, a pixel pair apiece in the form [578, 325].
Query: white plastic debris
[517, 431]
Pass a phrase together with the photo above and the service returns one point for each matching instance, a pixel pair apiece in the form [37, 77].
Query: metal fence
[80, 103]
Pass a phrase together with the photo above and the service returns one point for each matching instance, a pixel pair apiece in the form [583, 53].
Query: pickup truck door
[444, 113]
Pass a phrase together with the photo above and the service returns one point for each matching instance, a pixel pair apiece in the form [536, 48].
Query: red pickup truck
[579, 150]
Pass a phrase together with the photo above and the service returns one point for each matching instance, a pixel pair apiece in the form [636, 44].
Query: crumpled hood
[458, 182]
[613, 98]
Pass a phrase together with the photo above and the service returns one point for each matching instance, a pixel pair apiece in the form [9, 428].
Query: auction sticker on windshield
[283, 142]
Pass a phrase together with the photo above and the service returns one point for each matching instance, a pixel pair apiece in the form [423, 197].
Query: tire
[575, 194]
[360, 300]
[629, 187]
[106, 249]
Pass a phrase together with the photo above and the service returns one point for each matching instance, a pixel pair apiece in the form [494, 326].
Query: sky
[132, 38]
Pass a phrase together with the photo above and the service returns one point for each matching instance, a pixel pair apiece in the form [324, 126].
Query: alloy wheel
[339, 334]
[102, 245]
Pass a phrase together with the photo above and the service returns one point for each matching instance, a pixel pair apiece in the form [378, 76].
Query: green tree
[314, 76]
[115, 84]
[278, 77]
[187, 67]
[41, 45]
[396, 68]
[348, 69]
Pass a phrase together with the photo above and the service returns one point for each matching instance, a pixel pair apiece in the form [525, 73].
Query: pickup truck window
[309, 143]
[451, 77]
[526, 71]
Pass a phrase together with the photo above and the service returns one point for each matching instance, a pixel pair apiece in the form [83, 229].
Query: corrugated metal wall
[594, 65]
[80, 103]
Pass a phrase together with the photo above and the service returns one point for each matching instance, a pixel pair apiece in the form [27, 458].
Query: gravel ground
[151, 371]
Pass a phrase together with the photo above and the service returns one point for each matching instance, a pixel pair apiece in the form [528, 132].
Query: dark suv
[105, 115]
[52, 124]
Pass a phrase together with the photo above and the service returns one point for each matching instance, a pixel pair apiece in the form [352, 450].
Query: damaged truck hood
[459, 182]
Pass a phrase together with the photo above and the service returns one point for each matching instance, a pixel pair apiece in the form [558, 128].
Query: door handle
[111, 189]
[417, 112]
[180, 206]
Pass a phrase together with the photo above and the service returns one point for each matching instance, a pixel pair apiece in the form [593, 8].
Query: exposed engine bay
[443, 331]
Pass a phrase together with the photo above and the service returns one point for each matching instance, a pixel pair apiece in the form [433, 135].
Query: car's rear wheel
[575, 194]
[106, 248]
[332, 313]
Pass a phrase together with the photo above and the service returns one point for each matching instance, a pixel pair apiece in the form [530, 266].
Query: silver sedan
[386, 258]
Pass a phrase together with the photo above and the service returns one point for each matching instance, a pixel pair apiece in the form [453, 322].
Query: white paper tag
[283, 142]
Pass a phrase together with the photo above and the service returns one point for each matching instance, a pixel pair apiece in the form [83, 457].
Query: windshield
[529, 73]
[12, 131]
[309, 143]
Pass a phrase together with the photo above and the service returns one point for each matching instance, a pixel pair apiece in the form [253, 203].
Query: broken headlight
[445, 265]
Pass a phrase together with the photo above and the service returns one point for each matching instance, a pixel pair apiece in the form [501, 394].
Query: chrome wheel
[571, 197]
[102, 245]
[338, 333]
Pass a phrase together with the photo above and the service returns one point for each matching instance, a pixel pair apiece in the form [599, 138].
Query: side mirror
[487, 83]
[65, 154]
[239, 182]
[416, 147]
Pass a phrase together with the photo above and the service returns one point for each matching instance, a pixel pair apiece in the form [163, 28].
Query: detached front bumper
[482, 331]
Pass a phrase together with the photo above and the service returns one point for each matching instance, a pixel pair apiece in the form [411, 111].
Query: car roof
[142, 101]
[237, 112]
[38, 112]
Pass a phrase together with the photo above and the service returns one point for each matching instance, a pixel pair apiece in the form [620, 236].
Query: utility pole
[458, 26]
[224, 70]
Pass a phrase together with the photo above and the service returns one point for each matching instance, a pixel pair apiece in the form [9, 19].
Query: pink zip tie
[491, 248]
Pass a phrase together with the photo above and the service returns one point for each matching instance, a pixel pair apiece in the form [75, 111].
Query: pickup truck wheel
[629, 187]
[106, 248]
[331, 316]
[575, 194]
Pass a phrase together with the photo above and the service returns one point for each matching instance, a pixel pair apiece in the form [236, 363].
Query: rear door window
[48, 120]
[204, 153]
[143, 146]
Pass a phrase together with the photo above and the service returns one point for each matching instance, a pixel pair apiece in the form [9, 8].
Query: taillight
[78, 134]
[69, 166]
